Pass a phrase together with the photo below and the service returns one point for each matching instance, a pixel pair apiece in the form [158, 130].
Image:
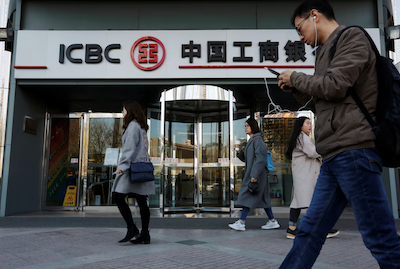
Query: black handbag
[253, 188]
[141, 172]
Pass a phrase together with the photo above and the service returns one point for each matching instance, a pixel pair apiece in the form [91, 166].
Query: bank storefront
[193, 128]
[197, 87]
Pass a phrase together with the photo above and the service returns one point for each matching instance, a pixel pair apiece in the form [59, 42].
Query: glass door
[214, 161]
[82, 151]
[61, 159]
[240, 139]
[180, 186]
[155, 150]
[103, 151]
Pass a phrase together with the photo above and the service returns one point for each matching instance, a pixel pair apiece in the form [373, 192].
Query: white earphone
[316, 33]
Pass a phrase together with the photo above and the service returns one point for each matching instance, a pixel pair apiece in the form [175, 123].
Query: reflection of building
[277, 129]
[184, 152]
[214, 151]
[276, 132]
[155, 146]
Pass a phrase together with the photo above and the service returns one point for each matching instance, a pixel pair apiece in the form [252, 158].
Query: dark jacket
[255, 157]
[340, 124]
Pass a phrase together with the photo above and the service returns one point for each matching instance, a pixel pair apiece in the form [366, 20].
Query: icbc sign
[148, 53]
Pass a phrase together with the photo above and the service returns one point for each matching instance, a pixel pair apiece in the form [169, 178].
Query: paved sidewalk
[45, 241]
[43, 248]
[88, 239]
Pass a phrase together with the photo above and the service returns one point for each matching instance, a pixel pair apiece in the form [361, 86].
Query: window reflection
[103, 133]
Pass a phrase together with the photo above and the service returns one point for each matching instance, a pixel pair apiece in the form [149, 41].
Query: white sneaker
[238, 226]
[271, 225]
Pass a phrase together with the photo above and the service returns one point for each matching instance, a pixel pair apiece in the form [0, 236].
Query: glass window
[277, 130]
[155, 143]
[63, 159]
[239, 138]
[104, 133]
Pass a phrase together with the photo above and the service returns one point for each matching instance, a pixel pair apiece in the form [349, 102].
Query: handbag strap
[146, 145]
[254, 145]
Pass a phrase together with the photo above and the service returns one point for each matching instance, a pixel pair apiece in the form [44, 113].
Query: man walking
[351, 168]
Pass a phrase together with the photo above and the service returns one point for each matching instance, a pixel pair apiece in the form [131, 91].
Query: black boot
[144, 238]
[131, 233]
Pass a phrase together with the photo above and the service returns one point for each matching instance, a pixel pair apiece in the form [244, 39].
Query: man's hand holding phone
[284, 81]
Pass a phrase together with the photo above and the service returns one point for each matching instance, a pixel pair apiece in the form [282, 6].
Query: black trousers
[125, 211]
[294, 215]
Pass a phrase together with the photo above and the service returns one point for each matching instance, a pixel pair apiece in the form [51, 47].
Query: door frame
[85, 153]
[198, 167]
[84, 123]
[202, 165]
[191, 208]
[46, 157]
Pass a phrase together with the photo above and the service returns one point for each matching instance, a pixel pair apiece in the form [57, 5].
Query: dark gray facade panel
[363, 13]
[198, 15]
[179, 15]
[277, 15]
[25, 180]
[79, 15]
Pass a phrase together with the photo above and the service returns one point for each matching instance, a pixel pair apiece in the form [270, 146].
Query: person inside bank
[134, 149]
[306, 163]
[255, 158]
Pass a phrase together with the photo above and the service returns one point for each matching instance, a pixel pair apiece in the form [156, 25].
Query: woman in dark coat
[255, 157]
[134, 149]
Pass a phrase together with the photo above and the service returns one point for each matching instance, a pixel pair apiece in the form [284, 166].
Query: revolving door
[192, 138]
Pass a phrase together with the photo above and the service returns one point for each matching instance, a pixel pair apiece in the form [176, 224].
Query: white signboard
[161, 54]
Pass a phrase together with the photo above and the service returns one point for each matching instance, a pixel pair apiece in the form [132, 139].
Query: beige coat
[305, 169]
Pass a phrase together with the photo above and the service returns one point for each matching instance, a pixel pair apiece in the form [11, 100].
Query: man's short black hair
[303, 10]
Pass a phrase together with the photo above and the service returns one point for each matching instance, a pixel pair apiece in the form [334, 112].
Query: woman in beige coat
[306, 163]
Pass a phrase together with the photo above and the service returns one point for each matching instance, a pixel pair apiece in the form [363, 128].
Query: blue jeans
[352, 176]
[245, 212]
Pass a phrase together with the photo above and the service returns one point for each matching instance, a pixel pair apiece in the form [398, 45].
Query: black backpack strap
[333, 49]
[362, 107]
[351, 91]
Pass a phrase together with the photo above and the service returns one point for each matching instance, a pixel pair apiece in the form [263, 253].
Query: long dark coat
[255, 157]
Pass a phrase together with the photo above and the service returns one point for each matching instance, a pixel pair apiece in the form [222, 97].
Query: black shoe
[332, 233]
[131, 233]
[144, 238]
[291, 234]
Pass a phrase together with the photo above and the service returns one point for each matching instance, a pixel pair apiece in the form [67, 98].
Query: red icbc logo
[146, 51]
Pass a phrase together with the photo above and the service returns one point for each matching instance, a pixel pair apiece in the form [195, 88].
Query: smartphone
[273, 71]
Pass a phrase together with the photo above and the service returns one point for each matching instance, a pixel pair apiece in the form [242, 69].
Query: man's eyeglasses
[297, 27]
